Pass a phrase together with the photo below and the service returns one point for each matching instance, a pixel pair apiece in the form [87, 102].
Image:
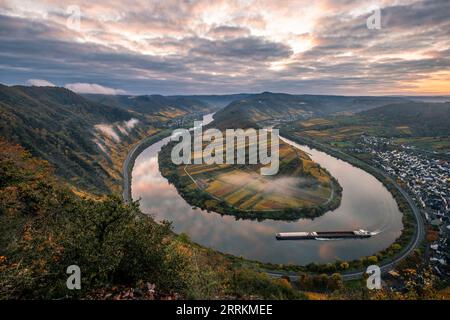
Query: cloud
[229, 32]
[100, 145]
[226, 46]
[130, 124]
[108, 130]
[40, 83]
[92, 88]
[127, 126]
[242, 48]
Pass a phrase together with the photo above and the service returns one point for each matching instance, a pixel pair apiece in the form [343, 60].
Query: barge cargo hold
[358, 234]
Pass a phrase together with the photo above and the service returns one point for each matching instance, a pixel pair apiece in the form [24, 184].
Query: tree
[305, 281]
[335, 282]
[330, 267]
[312, 267]
[45, 228]
[372, 260]
[320, 281]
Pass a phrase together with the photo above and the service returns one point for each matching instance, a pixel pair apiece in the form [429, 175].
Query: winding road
[385, 267]
[128, 167]
[131, 157]
[419, 232]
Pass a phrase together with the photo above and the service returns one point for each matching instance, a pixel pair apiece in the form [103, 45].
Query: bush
[344, 265]
[247, 283]
[372, 260]
[320, 281]
[335, 282]
[44, 228]
[111, 243]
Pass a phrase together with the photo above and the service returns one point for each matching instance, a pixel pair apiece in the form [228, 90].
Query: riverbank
[413, 232]
[131, 158]
[134, 152]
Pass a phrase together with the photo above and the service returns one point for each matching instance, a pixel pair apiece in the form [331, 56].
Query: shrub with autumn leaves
[45, 228]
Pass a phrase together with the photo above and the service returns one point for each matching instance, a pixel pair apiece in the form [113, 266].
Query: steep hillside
[424, 119]
[85, 140]
[123, 254]
[59, 126]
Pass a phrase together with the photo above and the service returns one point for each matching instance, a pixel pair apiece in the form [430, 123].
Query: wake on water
[374, 233]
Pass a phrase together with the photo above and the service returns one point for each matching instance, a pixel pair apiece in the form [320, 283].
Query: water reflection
[366, 204]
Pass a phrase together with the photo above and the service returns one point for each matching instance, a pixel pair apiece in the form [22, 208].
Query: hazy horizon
[236, 93]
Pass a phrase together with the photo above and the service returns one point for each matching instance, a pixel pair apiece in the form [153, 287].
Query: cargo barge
[317, 235]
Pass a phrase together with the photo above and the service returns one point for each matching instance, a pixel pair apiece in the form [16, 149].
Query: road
[131, 156]
[418, 236]
[134, 152]
[126, 170]
[419, 232]
[126, 174]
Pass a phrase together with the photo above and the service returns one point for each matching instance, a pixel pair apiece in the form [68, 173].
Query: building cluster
[286, 118]
[427, 179]
[183, 121]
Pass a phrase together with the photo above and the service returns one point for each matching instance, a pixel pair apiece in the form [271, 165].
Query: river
[366, 204]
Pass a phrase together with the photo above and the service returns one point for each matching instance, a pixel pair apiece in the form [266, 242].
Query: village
[427, 179]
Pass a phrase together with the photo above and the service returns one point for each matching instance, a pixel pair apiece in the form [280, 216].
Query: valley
[230, 212]
[224, 150]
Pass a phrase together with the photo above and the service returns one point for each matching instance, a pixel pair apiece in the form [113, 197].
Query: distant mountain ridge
[59, 101]
[151, 104]
[219, 101]
[265, 107]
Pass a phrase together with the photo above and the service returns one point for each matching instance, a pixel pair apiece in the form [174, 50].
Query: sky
[228, 46]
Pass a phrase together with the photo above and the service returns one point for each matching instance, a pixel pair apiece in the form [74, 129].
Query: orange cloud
[437, 83]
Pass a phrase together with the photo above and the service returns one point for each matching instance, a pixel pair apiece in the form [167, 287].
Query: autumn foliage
[122, 253]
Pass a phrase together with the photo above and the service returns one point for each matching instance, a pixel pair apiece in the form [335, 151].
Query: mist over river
[366, 204]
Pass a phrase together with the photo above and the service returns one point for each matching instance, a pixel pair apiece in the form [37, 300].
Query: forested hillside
[122, 254]
[85, 140]
[267, 107]
[422, 119]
